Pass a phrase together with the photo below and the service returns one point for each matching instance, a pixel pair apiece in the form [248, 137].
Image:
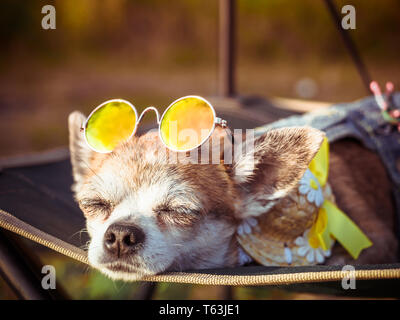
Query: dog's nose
[121, 239]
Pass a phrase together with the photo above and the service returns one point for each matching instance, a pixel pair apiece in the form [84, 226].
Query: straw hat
[279, 228]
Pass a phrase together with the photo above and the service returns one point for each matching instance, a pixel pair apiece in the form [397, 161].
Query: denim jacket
[361, 120]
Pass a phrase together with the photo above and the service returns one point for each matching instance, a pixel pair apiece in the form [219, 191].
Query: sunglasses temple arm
[230, 134]
[147, 109]
[224, 124]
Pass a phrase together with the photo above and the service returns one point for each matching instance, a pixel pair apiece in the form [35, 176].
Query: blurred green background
[151, 52]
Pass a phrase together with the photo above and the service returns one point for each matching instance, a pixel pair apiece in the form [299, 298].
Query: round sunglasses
[185, 125]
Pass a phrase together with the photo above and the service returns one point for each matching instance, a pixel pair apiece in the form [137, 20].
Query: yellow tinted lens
[187, 124]
[110, 125]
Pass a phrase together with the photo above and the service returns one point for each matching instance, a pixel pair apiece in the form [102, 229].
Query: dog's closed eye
[176, 216]
[96, 208]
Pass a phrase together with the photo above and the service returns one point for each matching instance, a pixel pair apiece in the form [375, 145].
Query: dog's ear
[79, 150]
[275, 162]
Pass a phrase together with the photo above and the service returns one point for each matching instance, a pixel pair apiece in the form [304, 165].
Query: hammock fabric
[36, 202]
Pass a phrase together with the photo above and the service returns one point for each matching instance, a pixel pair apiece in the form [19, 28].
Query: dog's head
[146, 214]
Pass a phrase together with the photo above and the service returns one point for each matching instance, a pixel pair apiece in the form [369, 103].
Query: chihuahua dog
[146, 216]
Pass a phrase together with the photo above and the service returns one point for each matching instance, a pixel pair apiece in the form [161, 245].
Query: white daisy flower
[310, 186]
[308, 250]
[288, 255]
[246, 226]
[244, 258]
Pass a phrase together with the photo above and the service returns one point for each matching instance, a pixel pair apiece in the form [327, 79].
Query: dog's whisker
[80, 233]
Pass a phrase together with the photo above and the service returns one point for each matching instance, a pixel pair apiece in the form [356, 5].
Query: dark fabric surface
[41, 196]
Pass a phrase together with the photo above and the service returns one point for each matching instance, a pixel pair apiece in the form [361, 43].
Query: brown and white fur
[146, 216]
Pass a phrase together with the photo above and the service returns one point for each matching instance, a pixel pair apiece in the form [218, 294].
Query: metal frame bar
[227, 20]
[18, 275]
[350, 45]
[227, 43]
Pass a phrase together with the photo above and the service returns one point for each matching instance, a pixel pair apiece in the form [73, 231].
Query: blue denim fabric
[361, 120]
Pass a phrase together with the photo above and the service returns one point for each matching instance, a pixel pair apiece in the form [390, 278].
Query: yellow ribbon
[331, 221]
[344, 230]
[319, 166]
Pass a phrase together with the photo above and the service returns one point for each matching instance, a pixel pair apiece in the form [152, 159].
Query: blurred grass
[34, 116]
